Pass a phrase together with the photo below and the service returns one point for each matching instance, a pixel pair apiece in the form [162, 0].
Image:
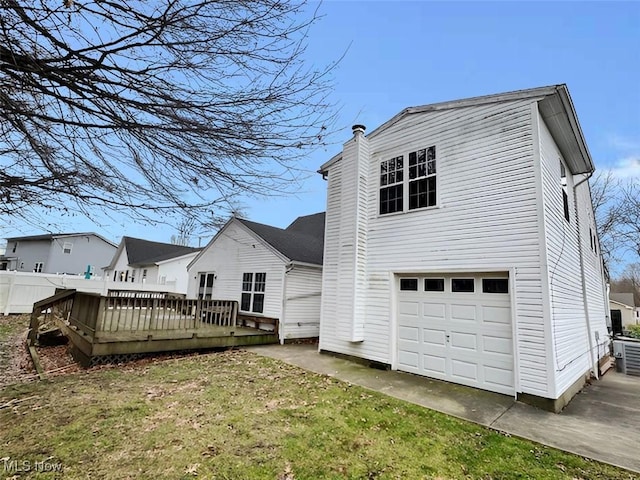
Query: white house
[138, 261]
[460, 245]
[624, 313]
[272, 272]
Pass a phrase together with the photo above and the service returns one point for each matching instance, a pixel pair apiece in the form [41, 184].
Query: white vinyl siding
[569, 337]
[302, 302]
[236, 251]
[486, 218]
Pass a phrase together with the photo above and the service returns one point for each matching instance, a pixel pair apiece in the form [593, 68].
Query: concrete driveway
[601, 422]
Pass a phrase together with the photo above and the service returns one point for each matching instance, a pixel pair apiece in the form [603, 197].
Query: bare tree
[154, 107]
[186, 229]
[605, 196]
[630, 218]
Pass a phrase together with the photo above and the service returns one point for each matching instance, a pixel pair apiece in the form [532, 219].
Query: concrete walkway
[602, 422]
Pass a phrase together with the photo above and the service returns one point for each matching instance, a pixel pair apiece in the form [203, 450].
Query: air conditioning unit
[627, 353]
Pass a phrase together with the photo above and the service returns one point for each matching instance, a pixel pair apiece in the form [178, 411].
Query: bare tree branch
[148, 107]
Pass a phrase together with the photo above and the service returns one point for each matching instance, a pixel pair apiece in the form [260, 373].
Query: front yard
[236, 415]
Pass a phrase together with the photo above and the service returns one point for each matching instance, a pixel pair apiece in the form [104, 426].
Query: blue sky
[401, 54]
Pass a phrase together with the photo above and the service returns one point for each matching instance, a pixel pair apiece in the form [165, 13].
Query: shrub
[634, 331]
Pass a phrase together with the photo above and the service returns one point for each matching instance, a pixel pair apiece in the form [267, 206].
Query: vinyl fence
[20, 290]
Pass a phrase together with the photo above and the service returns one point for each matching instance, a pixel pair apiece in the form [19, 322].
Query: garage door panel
[460, 337]
[434, 311]
[464, 369]
[498, 345]
[434, 337]
[409, 308]
[434, 364]
[496, 314]
[463, 312]
[498, 376]
[466, 341]
[409, 333]
[409, 360]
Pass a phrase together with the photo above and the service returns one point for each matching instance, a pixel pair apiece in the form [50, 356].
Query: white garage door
[457, 328]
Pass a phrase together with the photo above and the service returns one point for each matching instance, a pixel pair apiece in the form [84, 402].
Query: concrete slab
[602, 422]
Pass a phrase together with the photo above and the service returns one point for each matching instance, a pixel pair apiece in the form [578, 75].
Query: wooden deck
[116, 325]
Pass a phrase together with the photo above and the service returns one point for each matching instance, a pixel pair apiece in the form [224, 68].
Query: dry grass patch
[236, 415]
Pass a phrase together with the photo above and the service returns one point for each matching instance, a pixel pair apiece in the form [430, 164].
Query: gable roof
[555, 107]
[624, 298]
[145, 252]
[51, 236]
[302, 241]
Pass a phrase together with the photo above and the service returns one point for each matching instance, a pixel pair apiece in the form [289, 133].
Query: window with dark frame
[462, 285]
[420, 181]
[391, 185]
[409, 284]
[253, 288]
[422, 178]
[434, 284]
[205, 289]
[495, 285]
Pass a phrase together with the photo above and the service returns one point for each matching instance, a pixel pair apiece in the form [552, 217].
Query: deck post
[153, 320]
[33, 326]
[102, 313]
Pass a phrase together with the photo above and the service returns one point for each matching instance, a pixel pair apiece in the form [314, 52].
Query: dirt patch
[15, 362]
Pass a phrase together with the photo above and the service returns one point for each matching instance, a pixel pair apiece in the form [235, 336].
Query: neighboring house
[624, 312]
[71, 253]
[146, 262]
[271, 272]
[461, 245]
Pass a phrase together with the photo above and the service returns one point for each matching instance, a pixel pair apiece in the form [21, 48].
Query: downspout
[594, 363]
[287, 268]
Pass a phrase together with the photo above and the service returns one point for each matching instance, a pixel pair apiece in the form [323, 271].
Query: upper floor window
[391, 185]
[15, 246]
[420, 182]
[38, 267]
[66, 247]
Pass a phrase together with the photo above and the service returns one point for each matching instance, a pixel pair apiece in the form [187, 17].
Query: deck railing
[129, 314]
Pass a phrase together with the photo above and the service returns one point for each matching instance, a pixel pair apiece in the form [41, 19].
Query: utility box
[626, 350]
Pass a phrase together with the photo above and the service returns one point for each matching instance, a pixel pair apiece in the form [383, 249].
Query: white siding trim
[542, 243]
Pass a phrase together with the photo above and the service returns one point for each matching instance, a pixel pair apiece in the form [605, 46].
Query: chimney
[358, 129]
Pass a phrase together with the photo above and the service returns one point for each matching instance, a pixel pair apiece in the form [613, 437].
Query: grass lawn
[236, 415]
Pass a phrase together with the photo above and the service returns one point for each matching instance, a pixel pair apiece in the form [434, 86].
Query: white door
[457, 327]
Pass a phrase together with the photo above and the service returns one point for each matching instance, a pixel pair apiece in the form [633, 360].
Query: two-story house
[71, 253]
[461, 245]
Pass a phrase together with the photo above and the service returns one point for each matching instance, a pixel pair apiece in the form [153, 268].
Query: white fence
[20, 290]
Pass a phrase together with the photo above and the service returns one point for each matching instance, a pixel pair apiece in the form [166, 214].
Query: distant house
[272, 272]
[624, 312]
[71, 253]
[461, 245]
[146, 262]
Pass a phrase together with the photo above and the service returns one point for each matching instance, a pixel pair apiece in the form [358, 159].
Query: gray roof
[626, 298]
[146, 252]
[51, 236]
[302, 241]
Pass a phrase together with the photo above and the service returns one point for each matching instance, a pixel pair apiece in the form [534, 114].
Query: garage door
[457, 328]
